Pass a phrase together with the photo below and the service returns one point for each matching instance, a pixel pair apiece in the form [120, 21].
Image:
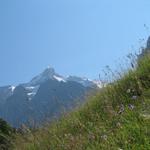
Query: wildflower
[71, 138]
[121, 110]
[131, 106]
[66, 135]
[104, 137]
[134, 97]
[91, 136]
[128, 91]
[118, 124]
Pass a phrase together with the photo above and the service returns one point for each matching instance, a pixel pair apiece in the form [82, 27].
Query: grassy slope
[108, 121]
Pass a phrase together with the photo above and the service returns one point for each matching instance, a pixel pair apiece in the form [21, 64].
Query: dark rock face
[42, 99]
[148, 43]
[145, 50]
[5, 92]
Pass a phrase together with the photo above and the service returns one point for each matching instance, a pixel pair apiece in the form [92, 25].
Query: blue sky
[76, 37]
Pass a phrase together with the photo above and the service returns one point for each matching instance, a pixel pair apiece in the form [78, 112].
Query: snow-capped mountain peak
[47, 74]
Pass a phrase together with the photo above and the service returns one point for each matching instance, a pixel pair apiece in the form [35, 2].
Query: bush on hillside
[6, 132]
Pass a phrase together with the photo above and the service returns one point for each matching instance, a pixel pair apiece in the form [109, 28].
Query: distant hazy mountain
[46, 96]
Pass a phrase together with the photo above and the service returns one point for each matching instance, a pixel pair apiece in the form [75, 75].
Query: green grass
[107, 121]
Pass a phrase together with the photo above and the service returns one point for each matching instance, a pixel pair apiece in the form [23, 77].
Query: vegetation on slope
[117, 117]
[6, 133]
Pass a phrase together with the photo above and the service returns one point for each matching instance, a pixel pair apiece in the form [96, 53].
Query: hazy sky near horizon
[76, 37]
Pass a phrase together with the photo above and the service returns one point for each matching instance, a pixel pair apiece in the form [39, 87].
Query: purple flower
[131, 106]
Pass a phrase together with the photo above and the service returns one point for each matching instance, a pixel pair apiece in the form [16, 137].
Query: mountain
[45, 97]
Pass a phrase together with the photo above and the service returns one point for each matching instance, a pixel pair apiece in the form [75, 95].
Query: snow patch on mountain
[30, 94]
[98, 83]
[60, 79]
[31, 91]
[84, 81]
[12, 88]
[30, 88]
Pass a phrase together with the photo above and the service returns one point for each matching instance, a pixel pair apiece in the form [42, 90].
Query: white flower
[134, 97]
[104, 137]
[128, 91]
